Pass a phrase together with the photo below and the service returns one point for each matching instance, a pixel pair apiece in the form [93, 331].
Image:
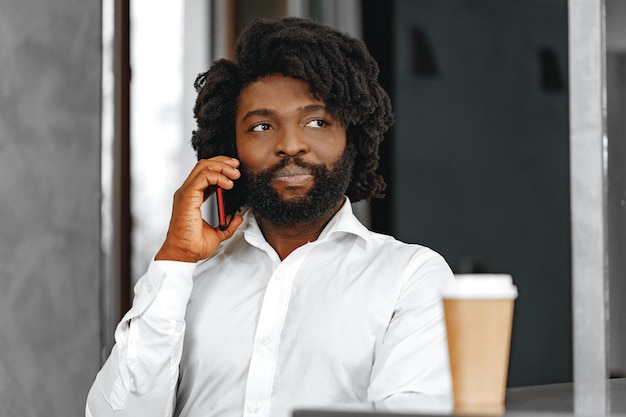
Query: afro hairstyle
[339, 70]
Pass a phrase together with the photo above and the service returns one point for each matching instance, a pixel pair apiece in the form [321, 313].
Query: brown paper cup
[479, 317]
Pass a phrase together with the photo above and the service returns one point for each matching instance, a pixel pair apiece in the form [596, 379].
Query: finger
[233, 223]
[209, 175]
[222, 164]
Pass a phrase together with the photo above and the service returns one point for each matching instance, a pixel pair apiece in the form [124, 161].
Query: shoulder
[414, 264]
[397, 249]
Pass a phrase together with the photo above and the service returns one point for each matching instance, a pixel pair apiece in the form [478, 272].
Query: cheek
[250, 156]
[333, 149]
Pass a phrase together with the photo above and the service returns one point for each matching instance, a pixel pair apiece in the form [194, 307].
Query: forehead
[274, 90]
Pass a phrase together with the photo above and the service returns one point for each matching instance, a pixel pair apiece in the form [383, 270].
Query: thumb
[233, 224]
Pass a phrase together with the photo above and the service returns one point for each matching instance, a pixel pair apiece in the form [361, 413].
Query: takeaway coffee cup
[478, 312]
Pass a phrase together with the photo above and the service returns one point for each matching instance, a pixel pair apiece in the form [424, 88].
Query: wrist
[173, 253]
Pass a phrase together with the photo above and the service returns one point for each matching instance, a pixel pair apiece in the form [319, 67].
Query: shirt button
[280, 278]
[148, 287]
[255, 407]
[266, 340]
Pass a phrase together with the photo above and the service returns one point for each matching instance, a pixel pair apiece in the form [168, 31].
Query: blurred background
[96, 118]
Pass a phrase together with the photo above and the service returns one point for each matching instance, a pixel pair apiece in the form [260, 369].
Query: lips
[292, 176]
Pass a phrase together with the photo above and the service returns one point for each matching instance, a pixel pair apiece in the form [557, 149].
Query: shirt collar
[344, 222]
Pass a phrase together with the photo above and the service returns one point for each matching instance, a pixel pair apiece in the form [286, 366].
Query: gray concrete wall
[50, 66]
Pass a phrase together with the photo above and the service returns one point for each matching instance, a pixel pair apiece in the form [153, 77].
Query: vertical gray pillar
[50, 61]
[616, 180]
[616, 212]
[588, 194]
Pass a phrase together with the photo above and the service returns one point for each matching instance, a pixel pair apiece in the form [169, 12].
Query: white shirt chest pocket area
[344, 334]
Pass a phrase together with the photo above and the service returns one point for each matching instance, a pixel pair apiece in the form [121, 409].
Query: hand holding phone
[188, 238]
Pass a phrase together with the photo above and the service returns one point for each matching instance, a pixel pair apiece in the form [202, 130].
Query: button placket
[269, 327]
[264, 356]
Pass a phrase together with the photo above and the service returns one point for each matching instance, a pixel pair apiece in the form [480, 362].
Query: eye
[261, 127]
[317, 123]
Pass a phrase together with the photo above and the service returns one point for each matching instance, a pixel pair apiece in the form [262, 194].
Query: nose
[291, 141]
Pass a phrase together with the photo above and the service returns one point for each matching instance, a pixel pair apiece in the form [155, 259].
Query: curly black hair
[339, 69]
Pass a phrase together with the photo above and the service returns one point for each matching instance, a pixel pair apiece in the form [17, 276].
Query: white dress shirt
[354, 317]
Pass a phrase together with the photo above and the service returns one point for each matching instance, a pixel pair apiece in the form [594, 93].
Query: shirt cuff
[171, 300]
[176, 267]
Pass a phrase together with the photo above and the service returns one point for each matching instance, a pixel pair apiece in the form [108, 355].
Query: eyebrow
[268, 112]
[258, 112]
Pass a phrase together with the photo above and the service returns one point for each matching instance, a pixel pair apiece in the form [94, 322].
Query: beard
[329, 187]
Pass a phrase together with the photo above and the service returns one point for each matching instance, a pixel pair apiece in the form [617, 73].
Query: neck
[287, 238]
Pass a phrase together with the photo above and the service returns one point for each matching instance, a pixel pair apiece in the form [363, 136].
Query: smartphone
[228, 203]
[221, 209]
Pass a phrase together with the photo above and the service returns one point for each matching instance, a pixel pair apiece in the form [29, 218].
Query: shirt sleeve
[411, 370]
[139, 378]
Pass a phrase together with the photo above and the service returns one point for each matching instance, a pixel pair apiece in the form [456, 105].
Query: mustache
[291, 160]
[267, 174]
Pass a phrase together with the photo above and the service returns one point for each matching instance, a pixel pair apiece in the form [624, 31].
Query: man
[295, 303]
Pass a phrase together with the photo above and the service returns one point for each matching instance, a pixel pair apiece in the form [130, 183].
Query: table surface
[598, 398]
[590, 399]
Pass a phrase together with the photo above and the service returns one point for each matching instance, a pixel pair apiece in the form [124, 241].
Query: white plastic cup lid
[480, 286]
